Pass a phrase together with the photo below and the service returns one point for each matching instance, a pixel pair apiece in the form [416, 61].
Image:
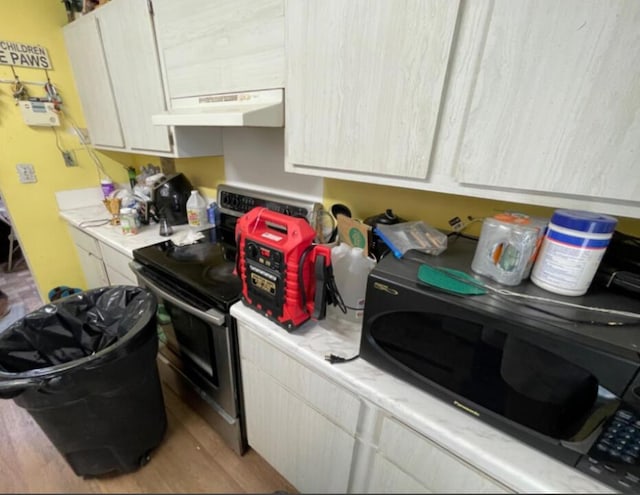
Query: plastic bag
[401, 237]
[74, 327]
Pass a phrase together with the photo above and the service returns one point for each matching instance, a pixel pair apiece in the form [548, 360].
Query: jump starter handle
[320, 302]
[321, 259]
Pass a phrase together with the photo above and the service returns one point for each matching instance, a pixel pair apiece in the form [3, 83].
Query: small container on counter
[572, 250]
[213, 214]
[129, 221]
[508, 246]
[107, 187]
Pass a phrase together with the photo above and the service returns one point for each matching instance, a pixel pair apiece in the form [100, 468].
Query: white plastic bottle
[196, 210]
[351, 279]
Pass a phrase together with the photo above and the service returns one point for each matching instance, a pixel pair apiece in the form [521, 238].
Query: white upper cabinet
[364, 83]
[115, 64]
[555, 107]
[223, 46]
[130, 50]
[529, 102]
[91, 75]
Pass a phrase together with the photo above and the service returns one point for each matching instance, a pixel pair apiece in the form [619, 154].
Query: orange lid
[516, 218]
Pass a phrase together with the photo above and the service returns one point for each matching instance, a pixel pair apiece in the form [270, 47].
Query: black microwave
[561, 378]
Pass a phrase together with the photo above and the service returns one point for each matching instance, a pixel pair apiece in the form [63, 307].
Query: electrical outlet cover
[67, 156]
[26, 173]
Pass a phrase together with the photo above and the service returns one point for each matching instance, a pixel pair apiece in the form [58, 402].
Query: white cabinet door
[301, 423]
[310, 451]
[90, 257]
[386, 477]
[117, 278]
[93, 269]
[130, 51]
[117, 266]
[432, 466]
[93, 82]
[556, 102]
[364, 83]
[220, 47]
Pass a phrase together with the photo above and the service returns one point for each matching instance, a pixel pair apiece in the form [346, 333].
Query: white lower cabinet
[93, 269]
[117, 266]
[90, 257]
[326, 439]
[302, 424]
[386, 477]
[409, 462]
[102, 265]
[310, 451]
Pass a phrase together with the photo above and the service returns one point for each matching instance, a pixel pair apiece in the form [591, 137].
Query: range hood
[253, 108]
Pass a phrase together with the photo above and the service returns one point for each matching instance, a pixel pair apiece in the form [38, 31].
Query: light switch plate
[26, 173]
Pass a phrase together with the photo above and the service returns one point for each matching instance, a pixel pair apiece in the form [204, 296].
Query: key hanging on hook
[52, 93]
[18, 89]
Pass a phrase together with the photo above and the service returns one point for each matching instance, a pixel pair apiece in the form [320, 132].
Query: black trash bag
[85, 369]
[75, 327]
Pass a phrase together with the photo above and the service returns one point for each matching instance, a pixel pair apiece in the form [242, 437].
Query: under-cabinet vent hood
[253, 108]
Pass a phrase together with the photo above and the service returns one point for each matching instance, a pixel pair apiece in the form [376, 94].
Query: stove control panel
[237, 201]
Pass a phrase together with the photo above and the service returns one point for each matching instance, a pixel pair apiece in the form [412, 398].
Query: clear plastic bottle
[340, 267]
[351, 275]
[196, 210]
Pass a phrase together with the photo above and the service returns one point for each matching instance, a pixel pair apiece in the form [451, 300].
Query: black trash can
[84, 367]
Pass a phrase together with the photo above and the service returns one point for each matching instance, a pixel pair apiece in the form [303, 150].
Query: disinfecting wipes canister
[571, 251]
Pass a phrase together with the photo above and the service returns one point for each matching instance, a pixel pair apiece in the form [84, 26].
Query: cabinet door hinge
[150, 6]
[171, 139]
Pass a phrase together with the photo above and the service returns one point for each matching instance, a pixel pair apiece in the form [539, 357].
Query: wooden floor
[191, 459]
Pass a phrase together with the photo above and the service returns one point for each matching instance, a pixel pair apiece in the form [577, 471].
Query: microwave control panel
[614, 457]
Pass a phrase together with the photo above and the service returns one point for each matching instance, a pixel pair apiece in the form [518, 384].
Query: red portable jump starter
[282, 271]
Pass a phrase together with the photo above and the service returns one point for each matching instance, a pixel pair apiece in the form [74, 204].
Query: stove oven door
[199, 347]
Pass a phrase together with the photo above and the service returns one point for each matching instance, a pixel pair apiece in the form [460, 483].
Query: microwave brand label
[466, 408]
[385, 288]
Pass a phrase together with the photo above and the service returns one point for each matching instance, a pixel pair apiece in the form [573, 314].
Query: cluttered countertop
[94, 221]
[84, 209]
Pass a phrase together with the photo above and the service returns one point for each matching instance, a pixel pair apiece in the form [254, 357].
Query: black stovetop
[203, 271]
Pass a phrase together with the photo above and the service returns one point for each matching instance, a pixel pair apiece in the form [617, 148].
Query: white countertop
[112, 235]
[506, 459]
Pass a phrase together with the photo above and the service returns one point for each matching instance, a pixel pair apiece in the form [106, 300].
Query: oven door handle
[211, 315]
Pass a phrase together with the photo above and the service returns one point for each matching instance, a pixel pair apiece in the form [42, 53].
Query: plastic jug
[196, 210]
[351, 269]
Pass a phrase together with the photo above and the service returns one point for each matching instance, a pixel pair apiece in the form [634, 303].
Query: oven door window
[194, 341]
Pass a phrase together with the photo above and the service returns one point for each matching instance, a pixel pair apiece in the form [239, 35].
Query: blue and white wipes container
[571, 251]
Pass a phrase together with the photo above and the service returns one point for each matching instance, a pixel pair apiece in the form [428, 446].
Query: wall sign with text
[22, 54]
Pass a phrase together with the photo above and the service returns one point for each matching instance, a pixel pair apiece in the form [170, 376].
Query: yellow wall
[433, 208]
[43, 235]
[204, 173]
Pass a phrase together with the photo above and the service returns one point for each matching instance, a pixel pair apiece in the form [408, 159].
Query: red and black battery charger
[283, 273]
